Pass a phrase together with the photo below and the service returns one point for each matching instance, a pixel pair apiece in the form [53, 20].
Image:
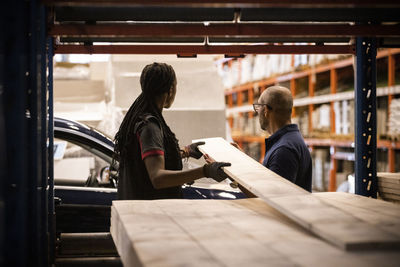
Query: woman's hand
[193, 151]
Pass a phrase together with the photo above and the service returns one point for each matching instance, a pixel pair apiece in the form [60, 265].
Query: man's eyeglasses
[257, 107]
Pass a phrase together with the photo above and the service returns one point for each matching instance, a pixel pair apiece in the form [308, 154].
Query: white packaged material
[259, 67]
[338, 120]
[394, 117]
[324, 117]
[246, 69]
[345, 117]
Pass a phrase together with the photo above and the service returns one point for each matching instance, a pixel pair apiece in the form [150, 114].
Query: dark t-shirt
[148, 140]
[288, 155]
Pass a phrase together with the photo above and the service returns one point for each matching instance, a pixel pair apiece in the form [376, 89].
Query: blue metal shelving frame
[24, 233]
[365, 117]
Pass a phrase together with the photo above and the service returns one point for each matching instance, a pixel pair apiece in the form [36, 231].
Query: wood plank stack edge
[389, 186]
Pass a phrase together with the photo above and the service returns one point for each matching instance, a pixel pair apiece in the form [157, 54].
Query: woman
[150, 160]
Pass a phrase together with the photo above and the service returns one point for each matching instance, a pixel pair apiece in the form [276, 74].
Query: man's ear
[265, 111]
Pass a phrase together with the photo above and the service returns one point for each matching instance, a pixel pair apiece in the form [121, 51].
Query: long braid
[156, 79]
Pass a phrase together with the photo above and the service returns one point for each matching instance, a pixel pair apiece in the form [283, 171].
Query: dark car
[82, 159]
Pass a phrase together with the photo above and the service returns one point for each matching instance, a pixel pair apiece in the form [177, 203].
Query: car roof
[70, 127]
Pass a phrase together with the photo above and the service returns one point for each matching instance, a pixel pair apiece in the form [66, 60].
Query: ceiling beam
[185, 50]
[228, 3]
[224, 30]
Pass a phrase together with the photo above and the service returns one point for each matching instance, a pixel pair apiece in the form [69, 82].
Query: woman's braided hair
[155, 80]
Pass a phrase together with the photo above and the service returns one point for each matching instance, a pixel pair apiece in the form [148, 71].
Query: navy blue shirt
[288, 155]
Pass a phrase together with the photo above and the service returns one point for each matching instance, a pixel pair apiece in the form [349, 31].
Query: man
[286, 153]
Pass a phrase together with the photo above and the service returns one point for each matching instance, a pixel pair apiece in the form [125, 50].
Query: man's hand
[214, 170]
[193, 151]
[208, 159]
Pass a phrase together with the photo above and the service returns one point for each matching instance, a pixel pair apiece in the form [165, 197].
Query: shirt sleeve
[285, 163]
[150, 138]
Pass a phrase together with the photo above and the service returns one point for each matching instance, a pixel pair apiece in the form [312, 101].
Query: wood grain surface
[246, 232]
[324, 219]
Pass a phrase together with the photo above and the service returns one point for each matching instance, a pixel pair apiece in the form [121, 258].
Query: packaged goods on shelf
[302, 123]
[338, 117]
[328, 58]
[300, 60]
[285, 64]
[324, 117]
[394, 118]
[259, 67]
[315, 59]
[235, 73]
[225, 75]
[348, 166]
[321, 167]
[345, 117]
[230, 75]
[236, 124]
[246, 69]
[381, 122]
[351, 116]
[266, 66]
[272, 65]
[248, 126]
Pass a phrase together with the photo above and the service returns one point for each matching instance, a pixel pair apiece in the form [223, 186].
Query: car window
[76, 165]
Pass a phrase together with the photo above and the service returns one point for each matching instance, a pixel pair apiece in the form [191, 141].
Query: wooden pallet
[316, 215]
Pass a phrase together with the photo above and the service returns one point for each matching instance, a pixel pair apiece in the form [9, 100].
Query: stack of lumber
[284, 226]
[389, 186]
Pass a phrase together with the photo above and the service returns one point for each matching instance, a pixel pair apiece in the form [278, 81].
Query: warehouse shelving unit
[36, 30]
[244, 96]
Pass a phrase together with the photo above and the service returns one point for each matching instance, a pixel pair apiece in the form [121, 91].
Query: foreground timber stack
[284, 226]
[389, 186]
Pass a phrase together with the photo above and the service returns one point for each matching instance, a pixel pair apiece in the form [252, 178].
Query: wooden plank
[325, 220]
[368, 210]
[239, 233]
[388, 177]
[385, 195]
[389, 190]
[388, 185]
[375, 206]
[388, 174]
[248, 172]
